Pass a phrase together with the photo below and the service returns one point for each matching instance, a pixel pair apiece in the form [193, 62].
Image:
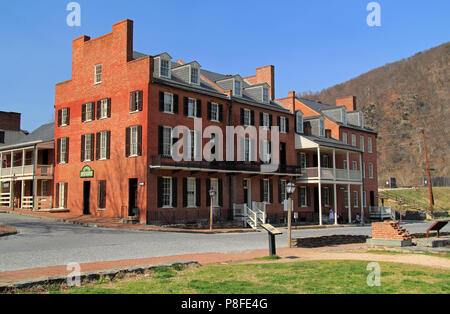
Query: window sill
[167, 207]
[101, 209]
[97, 83]
[169, 112]
[134, 112]
[103, 118]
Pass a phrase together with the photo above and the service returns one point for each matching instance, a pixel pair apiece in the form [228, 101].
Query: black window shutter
[184, 192]
[209, 110]
[299, 159]
[270, 120]
[132, 98]
[68, 116]
[141, 100]
[174, 192]
[280, 197]
[220, 192]
[97, 146]
[279, 122]
[66, 190]
[271, 192]
[261, 187]
[242, 116]
[199, 108]
[108, 111]
[308, 196]
[299, 197]
[67, 150]
[160, 192]
[99, 109]
[108, 144]
[261, 119]
[139, 140]
[175, 103]
[83, 141]
[186, 106]
[307, 160]
[287, 125]
[57, 195]
[198, 192]
[220, 113]
[83, 112]
[92, 145]
[59, 117]
[160, 139]
[58, 151]
[161, 101]
[208, 188]
[127, 142]
[252, 115]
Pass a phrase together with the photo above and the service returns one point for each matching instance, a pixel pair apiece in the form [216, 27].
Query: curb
[7, 286]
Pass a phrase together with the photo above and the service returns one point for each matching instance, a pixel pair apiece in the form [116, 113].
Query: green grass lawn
[420, 197]
[276, 278]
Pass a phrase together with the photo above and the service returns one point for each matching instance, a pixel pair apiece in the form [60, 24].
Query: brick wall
[390, 230]
[9, 121]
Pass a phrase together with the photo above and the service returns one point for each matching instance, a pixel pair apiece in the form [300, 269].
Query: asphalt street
[43, 243]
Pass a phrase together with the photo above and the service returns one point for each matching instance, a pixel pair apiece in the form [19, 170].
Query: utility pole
[430, 188]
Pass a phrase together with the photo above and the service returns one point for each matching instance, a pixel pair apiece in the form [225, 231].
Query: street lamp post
[290, 189]
[212, 194]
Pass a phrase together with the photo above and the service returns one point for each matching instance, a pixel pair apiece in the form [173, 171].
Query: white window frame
[299, 122]
[103, 109]
[266, 121]
[248, 117]
[369, 145]
[305, 190]
[322, 127]
[265, 95]
[215, 187]
[355, 199]
[167, 187]
[344, 138]
[346, 199]
[266, 151]
[354, 166]
[247, 150]
[167, 142]
[88, 147]
[103, 144]
[161, 68]
[362, 145]
[191, 191]
[345, 164]
[370, 170]
[65, 117]
[283, 190]
[62, 194]
[192, 104]
[214, 112]
[98, 74]
[354, 140]
[197, 75]
[283, 125]
[133, 141]
[326, 192]
[168, 102]
[89, 112]
[63, 151]
[326, 161]
[237, 91]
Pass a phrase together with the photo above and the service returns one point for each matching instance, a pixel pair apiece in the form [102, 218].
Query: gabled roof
[45, 133]
[330, 142]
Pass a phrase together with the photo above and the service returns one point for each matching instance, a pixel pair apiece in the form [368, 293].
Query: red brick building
[115, 136]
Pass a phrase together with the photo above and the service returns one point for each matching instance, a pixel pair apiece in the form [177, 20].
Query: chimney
[123, 35]
[10, 121]
[349, 102]
[264, 74]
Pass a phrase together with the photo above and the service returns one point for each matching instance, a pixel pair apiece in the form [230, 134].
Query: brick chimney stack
[10, 121]
[349, 102]
[265, 74]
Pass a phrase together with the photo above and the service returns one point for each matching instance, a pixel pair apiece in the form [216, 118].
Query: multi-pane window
[191, 145]
[354, 165]
[266, 151]
[265, 120]
[346, 164]
[134, 141]
[167, 192]
[89, 112]
[370, 170]
[326, 196]
[88, 144]
[237, 88]
[103, 145]
[215, 187]
[103, 108]
[194, 76]
[299, 122]
[167, 141]
[346, 199]
[214, 112]
[168, 103]
[192, 108]
[322, 127]
[303, 197]
[102, 194]
[361, 143]
[326, 161]
[44, 188]
[355, 199]
[344, 138]
[266, 191]
[136, 101]
[191, 192]
[62, 194]
[302, 160]
[354, 140]
[369, 145]
[247, 153]
[164, 68]
[64, 116]
[63, 155]
[283, 125]
[283, 191]
[98, 74]
[265, 94]
[247, 117]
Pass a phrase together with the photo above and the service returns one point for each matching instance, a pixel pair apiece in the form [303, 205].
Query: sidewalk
[115, 223]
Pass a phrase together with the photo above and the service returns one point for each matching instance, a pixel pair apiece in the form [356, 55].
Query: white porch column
[35, 181]
[335, 205]
[22, 194]
[12, 163]
[362, 188]
[11, 193]
[334, 164]
[349, 204]
[319, 173]
[23, 162]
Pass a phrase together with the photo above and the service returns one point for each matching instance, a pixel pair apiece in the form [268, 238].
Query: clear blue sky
[312, 44]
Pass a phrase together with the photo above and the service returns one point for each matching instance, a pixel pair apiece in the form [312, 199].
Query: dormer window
[344, 116]
[165, 68]
[322, 128]
[265, 94]
[194, 76]
[299, 122]
[237, 88]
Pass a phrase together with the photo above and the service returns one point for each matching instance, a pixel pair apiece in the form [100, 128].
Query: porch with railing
[254, 216]
[331, 174]
[27, 170]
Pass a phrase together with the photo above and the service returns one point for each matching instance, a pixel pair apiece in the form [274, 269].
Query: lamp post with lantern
[212, 194]
[290, 189]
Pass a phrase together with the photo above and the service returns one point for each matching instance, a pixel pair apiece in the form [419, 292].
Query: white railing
[254, 217]
[27, 202]
[44, 202]
[379, 212]
[28, 170]
[328, 174]
[5, 199]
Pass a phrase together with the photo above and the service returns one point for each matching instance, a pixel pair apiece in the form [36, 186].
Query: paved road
[43, 243]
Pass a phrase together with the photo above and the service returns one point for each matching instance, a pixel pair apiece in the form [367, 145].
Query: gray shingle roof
[45, 133]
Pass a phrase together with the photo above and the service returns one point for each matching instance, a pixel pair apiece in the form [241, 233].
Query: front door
[133, 185]
[248, 192]
[316, 200]
[372, 198]
[86, 197]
